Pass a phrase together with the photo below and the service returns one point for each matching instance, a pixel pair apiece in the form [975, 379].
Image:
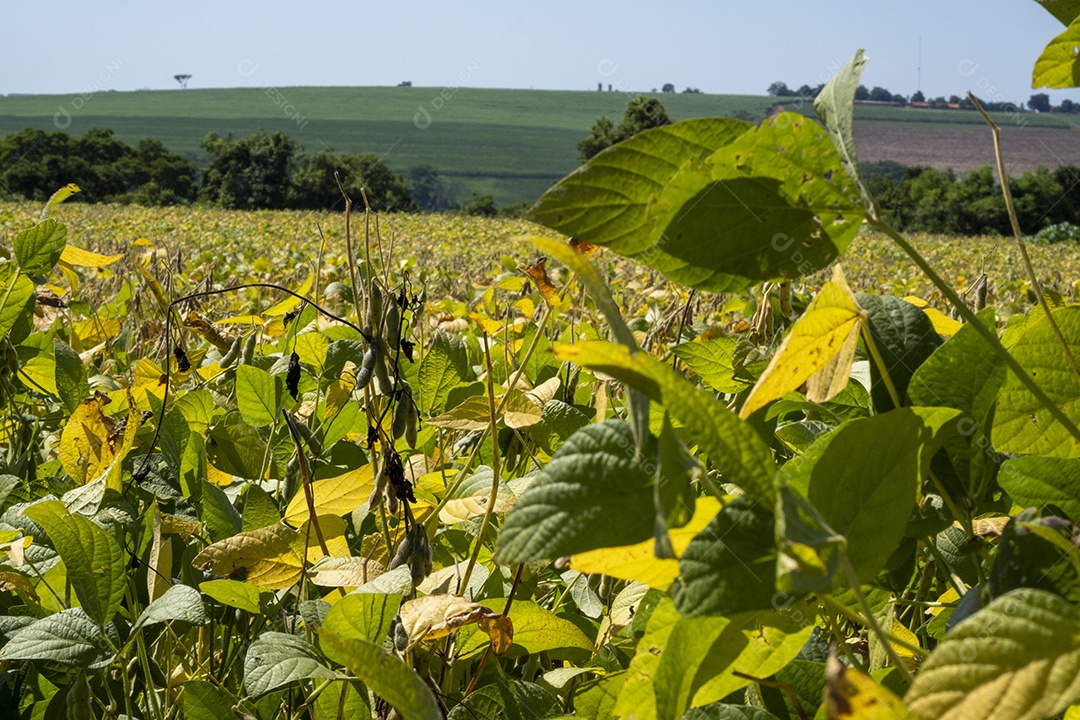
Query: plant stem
[885, 639]
[1011, 208]
[986, 333]
[880, 362]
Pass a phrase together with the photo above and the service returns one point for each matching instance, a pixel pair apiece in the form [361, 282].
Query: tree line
[1039, 102]
[262, 171]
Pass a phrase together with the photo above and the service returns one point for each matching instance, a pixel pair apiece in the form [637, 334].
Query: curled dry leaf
[435, 616]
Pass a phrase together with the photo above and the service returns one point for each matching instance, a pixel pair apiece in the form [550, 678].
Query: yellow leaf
[155, 287]
[520, 412]
[85, 258]
[242, 320]
[526, 306]
[344, 571]
[639, 562]
[491, 327]
[821, 342]
[538, 274]
[333, 496]
[143, 242]
[269, 558]
[501, 631]
[333, 532]
[96, 330]
[853, 695]
[93, 444]
[292, 302]
[218, 477]
[910, 659]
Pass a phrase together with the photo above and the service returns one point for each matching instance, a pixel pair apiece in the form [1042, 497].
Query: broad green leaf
[95, 562]
[596, 700]
[726, 711]
[206, 701]
[1064, 10]
[236, 594]
[1059, 64]
[312, 347]
[607, 201]
[218, 513]
[819, 348]
[733, 447]
[1041, 481]
[180, 602]
[1019, 657]
[639, 562]
[773, 203]
[341, 423]
[536, 630]
[39, 247]
[337, 495]
[235, 447]
[514, 699]
[385, 675]
[593, 493]
[713, 361]
[868, 496]
[69, 637]
[258, 395]
[365, 616]
[1021, 424]
[1036, 550]
[276, 659]
[260, 509]
[730, 566]
[354, 706]
[19, 298]
[809, 548]
[71, 382]
[966, 375]
[444, 367]
[270, 558]
[637, 697]
[37, 364]
[835, 107]
[904, 337]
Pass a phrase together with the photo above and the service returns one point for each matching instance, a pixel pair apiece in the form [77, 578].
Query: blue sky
[988, 46]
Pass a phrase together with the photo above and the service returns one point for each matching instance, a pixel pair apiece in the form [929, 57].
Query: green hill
[511, 143]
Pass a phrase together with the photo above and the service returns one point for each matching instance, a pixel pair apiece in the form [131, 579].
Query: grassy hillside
[511, 143]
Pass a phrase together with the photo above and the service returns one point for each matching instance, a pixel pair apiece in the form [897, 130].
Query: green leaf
[733, 447]
[39, 247]
[730, 566]
[276, 659]
[1064, 10]
[514, 699]
[329, 703]
[868, 496]
[637, 697]
[809, 548]
[367, 616]
[904, 336]
[37, 366]
[1021, 424]
[258, 396]
[20, 297]
[724, 711]
[206, 701]
[606, 202]
[596, 700]
[385, 675]
[444, 367]
[69, 637]
[592, 494]
[713, 361]
[95, 562]
[966, 375]
[71, 382]
[536, 630]
[1026, 642]
[235, 447]
[219, 515]
[235, 594]
[1059, 64]
[179, 602]
[835, 107]
[1041, 481]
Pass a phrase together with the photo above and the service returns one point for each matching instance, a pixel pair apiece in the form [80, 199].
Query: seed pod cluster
[415, 549]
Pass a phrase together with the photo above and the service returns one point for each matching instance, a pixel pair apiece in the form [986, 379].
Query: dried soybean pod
[367, 367]
[229, 359]
[248, 353]
[785, 299]
[382, 374]
[78, 698]
[393, 326]
[420, 563]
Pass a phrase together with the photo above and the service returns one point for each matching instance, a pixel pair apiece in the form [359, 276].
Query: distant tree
[641, 113]
[1039, 102]
[429, 190]
[405, 83]
[692, 91]
[313, 185]
[779, 89]
[861, 93]
[939, 101]
[1068, 106]
[182, 79]
[880, 94]
[248, 174]
[918, 97]
[668, 88]
[481, 206]
[954, 99]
